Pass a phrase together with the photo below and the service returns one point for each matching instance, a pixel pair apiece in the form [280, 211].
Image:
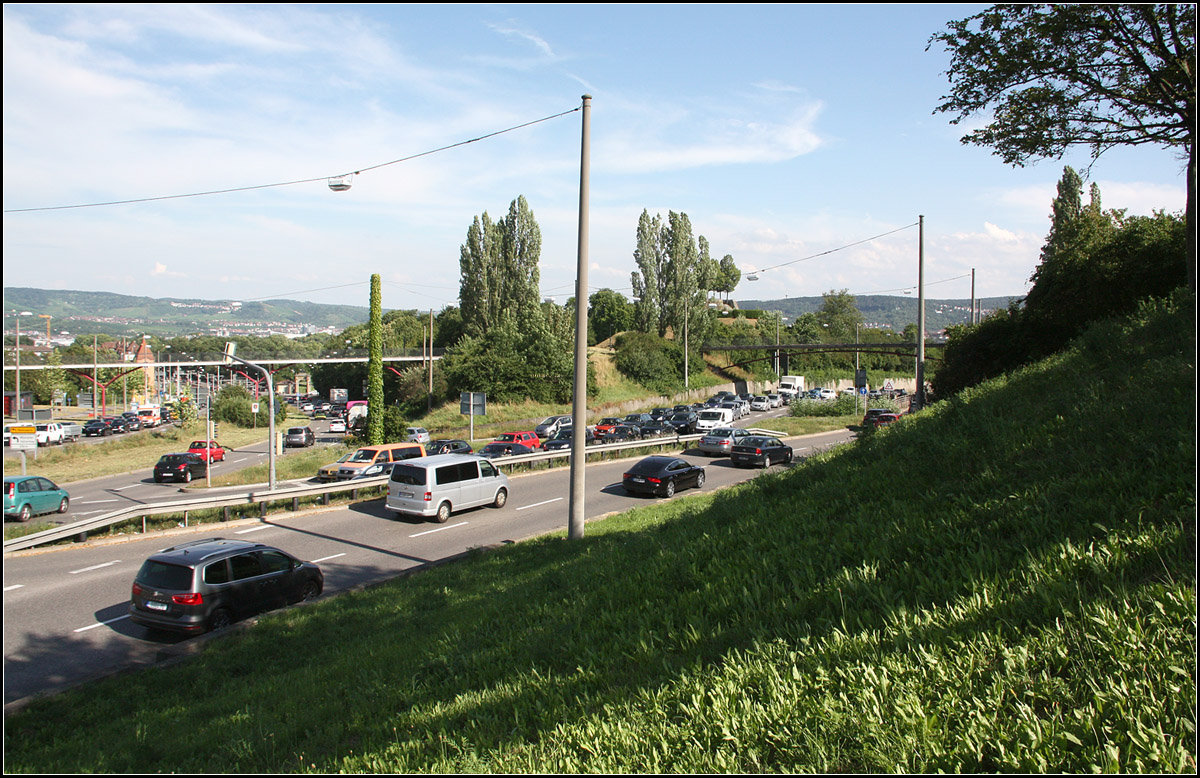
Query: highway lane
[65, 611]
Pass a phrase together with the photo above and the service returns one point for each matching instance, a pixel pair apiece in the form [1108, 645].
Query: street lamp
[17, 405]
[230, 347]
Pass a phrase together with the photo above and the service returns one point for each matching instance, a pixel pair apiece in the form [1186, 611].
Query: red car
[884, 419]
[524, 438]
[207, 449]
[606, 424]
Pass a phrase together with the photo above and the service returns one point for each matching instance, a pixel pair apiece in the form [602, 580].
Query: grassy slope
[1003, 583]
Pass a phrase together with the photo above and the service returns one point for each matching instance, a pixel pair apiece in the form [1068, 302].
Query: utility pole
[579, 405]
[921, 314]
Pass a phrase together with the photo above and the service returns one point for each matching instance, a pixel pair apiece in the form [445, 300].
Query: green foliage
[512, 362]
[1095, 264]
[499, 268]
[655, 363]
[609, 313]
[233, 405]
[375, 399]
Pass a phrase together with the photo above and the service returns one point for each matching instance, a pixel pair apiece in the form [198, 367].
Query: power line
[293, 183]
[831, 251]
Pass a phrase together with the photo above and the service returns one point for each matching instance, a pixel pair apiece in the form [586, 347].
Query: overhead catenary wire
[298, 181]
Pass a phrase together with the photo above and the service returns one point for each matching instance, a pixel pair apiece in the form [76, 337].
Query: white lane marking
[96, 567]
[252, 529]
[14, 586]
[93, 502]
[439, 529]
[102, 623]
[543, 502]
[326, 559]
[119, 488]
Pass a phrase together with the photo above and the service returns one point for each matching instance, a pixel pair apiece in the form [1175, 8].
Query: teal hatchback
[26, 496]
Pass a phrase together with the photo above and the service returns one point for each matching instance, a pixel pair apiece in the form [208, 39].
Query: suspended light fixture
[752, 277]
[341, 183]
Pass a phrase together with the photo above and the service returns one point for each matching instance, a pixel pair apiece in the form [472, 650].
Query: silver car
[720, 441]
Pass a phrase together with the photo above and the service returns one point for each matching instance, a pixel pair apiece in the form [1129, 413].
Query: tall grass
[1004, 582]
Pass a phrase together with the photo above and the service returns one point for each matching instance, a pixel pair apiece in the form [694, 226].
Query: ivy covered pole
[375, 365]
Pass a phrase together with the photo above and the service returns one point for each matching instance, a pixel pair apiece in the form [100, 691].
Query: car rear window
[164, 575]
[407, 474]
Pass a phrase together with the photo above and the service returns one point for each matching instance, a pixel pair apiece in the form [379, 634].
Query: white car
[338, 425]
[760, 403]
[418, 435]
[826, 394]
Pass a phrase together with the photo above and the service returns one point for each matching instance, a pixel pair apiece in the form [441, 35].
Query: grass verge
[1003, 583]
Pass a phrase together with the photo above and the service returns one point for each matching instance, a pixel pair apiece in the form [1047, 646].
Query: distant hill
[883, 311]
[118, 314]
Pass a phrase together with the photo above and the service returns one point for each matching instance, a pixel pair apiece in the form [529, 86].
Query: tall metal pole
[579, 406]
[921, 315]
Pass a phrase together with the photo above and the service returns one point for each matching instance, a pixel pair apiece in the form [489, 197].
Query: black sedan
[657, 429]
[622, 433]
[761, 451]
[179, 467]
[684, 422]
[447, 447]
[117, 424]
[663, 476]
[97, 428]
[565, 437]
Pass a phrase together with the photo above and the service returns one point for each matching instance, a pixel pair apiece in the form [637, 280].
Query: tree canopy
[1058, 76]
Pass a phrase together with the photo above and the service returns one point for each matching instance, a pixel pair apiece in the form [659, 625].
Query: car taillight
[136, 590]
[654, 480]
[10, 489]
[428, 496]
[191, 598]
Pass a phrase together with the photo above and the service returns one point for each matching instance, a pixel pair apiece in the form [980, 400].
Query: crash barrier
[294, 493]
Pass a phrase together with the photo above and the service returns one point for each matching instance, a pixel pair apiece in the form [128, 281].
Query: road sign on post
[473, 404]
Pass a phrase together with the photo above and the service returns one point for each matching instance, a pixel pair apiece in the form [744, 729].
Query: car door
[277, 585]
[245, 593]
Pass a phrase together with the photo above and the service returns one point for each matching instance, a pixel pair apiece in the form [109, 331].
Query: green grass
[1002, 583]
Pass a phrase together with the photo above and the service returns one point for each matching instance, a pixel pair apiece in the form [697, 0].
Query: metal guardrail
[295, 493]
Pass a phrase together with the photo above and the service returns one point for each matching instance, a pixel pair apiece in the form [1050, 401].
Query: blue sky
[785, 132]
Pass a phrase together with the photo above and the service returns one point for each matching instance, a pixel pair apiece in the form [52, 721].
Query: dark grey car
[207, 584]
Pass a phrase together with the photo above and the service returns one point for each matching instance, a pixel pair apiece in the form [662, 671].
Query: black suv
[207, 584]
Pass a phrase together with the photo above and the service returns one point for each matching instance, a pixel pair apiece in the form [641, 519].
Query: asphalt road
[65, 610]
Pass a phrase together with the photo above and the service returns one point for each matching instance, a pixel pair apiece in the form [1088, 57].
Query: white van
[439, 485]
[710, 418]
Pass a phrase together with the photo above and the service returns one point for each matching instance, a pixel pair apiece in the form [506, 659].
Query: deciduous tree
[1063, 75]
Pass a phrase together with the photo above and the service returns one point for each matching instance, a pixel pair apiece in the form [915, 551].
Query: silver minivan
[438, 485]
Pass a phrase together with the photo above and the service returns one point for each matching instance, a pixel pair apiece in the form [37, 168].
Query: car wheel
[766, 461]
[64, 505]
[219, 620]
[443, 513]
[700, 479]
[501, 498]
[670, 489]
[26, 512]
[311, 591]
[187, 476]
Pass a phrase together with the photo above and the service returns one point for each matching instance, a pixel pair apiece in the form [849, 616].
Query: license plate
[404, 494]
[156, 606]
[637, 479]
